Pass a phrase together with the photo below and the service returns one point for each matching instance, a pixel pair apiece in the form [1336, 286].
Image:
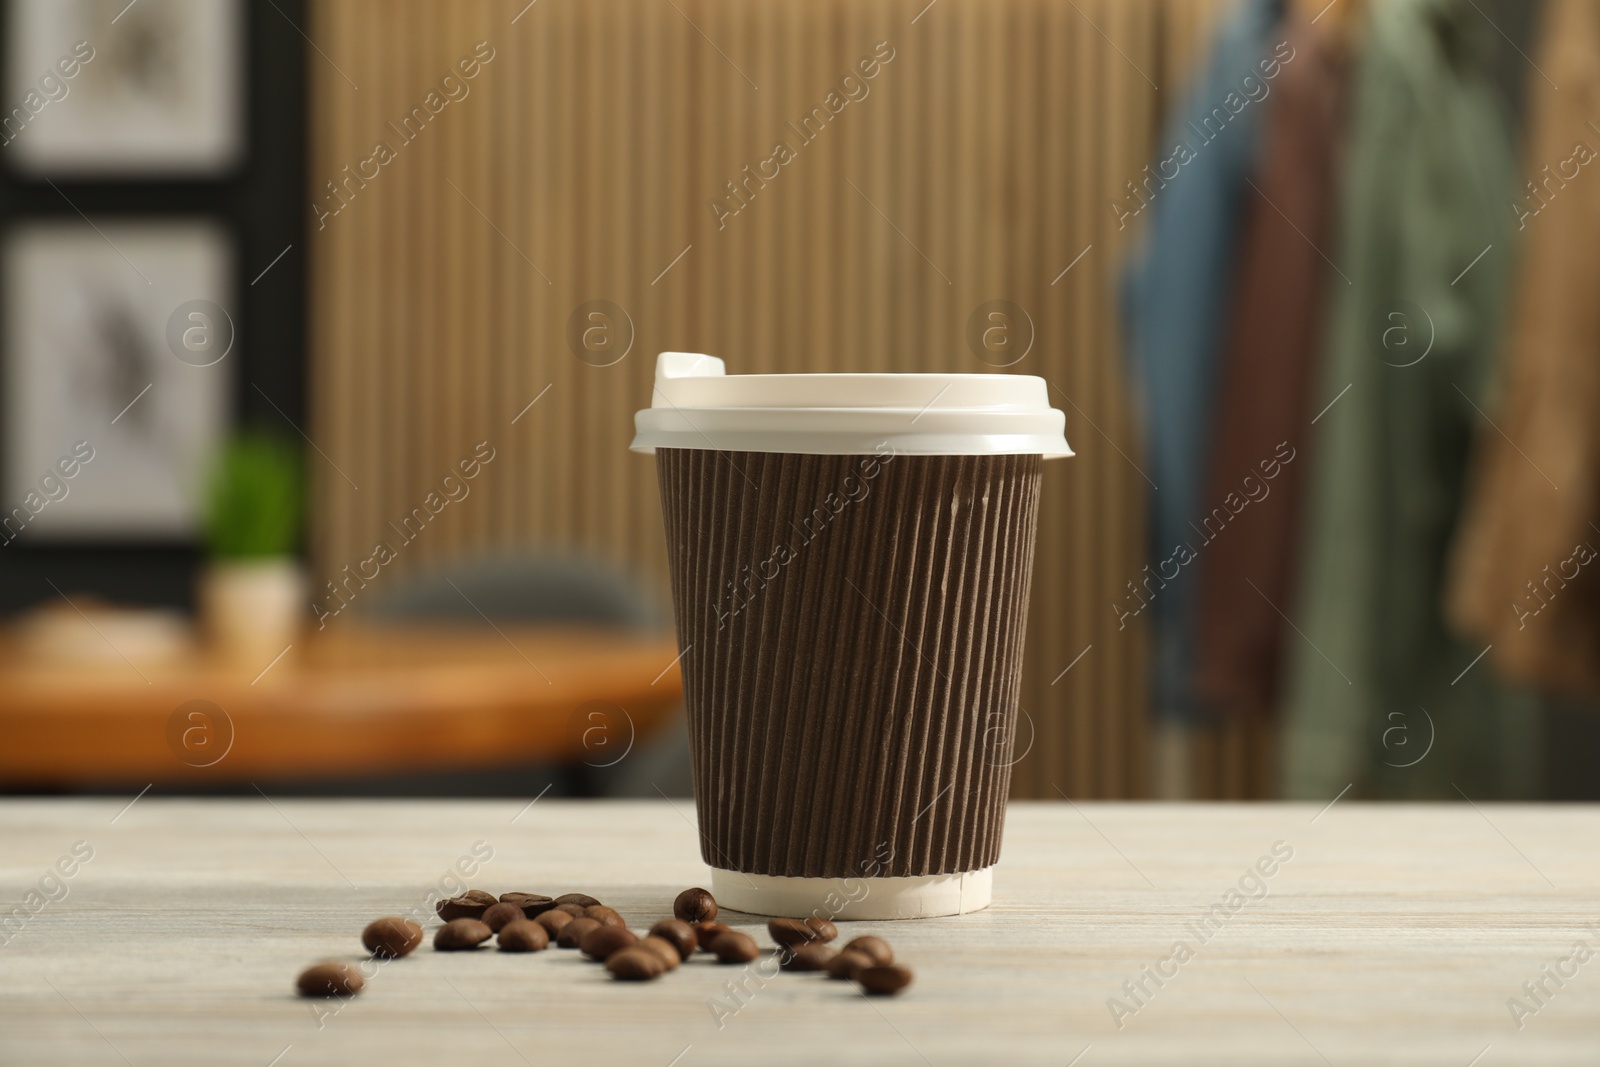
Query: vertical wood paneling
[994, 141]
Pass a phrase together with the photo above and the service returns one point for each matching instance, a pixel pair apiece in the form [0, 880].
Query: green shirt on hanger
[1379, 693]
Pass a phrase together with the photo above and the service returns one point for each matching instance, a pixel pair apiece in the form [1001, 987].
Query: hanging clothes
[1526, 568]
[1425, 243]
[1519, 22]
[1258, 457]
[1173, 302]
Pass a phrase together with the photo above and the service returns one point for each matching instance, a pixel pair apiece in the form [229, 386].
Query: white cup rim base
[850, 899]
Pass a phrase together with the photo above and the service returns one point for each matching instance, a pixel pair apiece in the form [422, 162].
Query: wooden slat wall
[581, 163]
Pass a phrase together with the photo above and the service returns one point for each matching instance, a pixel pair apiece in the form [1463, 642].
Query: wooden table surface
[359, 700]
[1392, 935]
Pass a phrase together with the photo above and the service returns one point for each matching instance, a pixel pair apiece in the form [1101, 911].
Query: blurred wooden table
[349, 702]
[1391, 935]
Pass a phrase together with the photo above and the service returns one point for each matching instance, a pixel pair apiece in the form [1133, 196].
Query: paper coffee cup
[850, 558]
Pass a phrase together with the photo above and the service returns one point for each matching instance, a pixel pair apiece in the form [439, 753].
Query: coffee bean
[496, 916]
[574, 910]
[532, 904]
[573, 933]
[517, 896]
[583, 900]
[883, 981]
[607, 916]
[553, 921]
[807, 958]
[330, 979]
[663, 948]
[391, 937]
[847, 963]
[635, 965]
[469, 905]
[792, 932]
[734, 947]
[695, 906]
[874, 948]
[602, 941]
[523, 935]
[706, 933]
[678, 933]
[458, 935]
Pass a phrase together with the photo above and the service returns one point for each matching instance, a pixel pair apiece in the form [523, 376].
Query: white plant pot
[252, 607]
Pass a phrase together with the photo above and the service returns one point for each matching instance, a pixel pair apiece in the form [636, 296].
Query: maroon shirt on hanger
[1269, 362]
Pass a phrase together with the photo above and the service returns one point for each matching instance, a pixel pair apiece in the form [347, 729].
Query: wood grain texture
[352, 701]
[1394, 935]
[983, 162]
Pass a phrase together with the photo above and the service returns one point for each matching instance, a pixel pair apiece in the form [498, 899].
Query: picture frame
[115, 337]
[108, 88]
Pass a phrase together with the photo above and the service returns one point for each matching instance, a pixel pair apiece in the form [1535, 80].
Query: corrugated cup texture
[852, 629]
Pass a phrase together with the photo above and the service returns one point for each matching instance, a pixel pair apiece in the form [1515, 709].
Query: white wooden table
[1393, 935]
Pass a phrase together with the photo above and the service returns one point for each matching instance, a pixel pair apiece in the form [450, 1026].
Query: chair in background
[532, 589]
[521, 589]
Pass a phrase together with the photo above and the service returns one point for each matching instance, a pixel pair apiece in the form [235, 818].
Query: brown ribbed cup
[852, 630]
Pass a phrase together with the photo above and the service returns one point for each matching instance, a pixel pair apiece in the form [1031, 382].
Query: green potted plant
[252, 591]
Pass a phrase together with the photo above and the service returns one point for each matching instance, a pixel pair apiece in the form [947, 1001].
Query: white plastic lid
[696, 404]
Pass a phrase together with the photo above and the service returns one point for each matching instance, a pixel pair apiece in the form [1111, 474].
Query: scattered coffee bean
[678, 933]
[734, 947]
[391, 937]
[330, 980]
[528, 922]
[496, 916]
[532, 904]
[847, 963]
[523, 935]
[875, 948]
[635, 965]
[792, 932]
[553, 921]
[707, 932]
[813, 957]
[469, 905]
[883, 981]
[695, 906]
[458, 935]
[602, 941]
[573, 933]
[663, 948]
